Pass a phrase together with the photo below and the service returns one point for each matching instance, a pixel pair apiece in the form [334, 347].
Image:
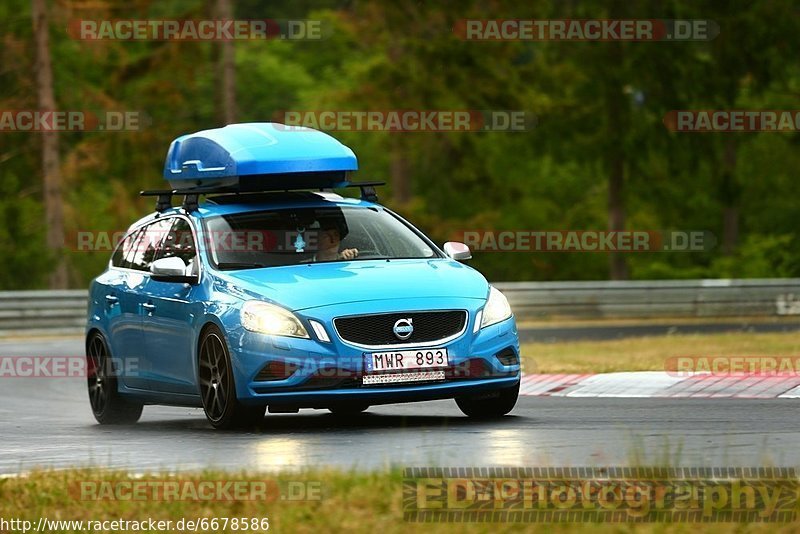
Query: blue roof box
[258, 156]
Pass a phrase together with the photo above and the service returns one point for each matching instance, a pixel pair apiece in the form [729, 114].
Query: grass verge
[651, 353]
[350, 502]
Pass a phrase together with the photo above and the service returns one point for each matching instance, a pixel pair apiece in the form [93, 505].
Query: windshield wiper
[225, 265]
[408, 257]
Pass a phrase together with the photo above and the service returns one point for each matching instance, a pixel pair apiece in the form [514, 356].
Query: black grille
[378, 329]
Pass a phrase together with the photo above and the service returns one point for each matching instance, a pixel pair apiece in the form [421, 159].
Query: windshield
[310, 235]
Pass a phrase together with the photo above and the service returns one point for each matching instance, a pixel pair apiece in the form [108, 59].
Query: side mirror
[457, 251]
[171, 270]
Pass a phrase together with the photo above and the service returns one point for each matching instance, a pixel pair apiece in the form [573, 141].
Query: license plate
[401, 360]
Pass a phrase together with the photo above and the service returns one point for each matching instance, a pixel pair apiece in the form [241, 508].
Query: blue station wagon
[265, 289]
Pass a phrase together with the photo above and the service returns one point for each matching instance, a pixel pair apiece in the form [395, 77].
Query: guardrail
[56, 311]
[654, 298]
[65, 311]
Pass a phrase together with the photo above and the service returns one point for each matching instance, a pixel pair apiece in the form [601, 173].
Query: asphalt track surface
[46, 422]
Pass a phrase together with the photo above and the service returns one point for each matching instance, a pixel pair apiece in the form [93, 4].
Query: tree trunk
[617, 127]
[730, 198]
[618, 267]
[227, 67]
[51, 165]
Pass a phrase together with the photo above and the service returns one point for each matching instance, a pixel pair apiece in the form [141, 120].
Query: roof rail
[191, 195]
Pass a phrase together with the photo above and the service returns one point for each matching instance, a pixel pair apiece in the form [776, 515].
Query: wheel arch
[203, 327]
[90, 333]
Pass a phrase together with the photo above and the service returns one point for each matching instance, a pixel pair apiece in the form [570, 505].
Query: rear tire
[489, 405]
[108, 406]
[217, 387]
[345, 409]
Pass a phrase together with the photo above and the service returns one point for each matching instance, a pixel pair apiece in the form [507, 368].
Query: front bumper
[382, 395]
[317, 374]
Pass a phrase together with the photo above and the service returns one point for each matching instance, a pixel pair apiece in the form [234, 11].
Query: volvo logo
[403, 328]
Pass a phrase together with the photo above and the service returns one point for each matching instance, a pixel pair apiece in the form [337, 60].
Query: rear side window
[123, 251]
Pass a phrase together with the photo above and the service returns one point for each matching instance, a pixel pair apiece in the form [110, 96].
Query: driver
[330, 237]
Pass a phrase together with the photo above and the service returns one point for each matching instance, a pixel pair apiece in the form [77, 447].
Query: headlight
[265, 318]
[496, 309]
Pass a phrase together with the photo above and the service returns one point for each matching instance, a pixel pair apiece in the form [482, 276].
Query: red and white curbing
[662, 384]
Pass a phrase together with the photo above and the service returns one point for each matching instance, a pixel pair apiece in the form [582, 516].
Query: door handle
[149, 307]
[112, 299]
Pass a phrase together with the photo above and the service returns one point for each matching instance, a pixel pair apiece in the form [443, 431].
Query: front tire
[489, 406]
[108, 406]
[217, 387]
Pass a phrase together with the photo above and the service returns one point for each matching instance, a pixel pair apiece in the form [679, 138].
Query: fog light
[507, 356]
[276, 370]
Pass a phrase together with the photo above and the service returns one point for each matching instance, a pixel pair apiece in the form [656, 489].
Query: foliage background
[599, 105]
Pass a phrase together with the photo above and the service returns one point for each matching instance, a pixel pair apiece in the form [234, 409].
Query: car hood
[305, 286]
